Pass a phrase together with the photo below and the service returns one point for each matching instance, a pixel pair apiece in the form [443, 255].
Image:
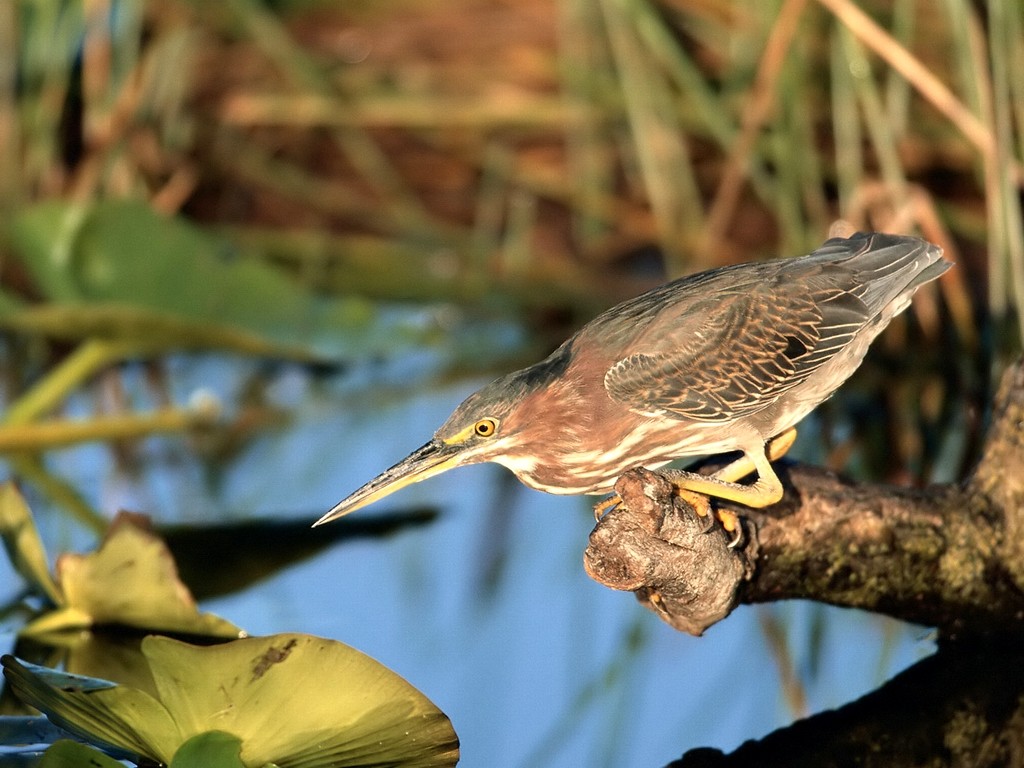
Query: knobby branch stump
[948, 556]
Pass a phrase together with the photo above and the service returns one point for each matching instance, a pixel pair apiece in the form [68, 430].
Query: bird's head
[488, 426]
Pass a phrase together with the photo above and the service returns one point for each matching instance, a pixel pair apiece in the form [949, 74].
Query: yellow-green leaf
[24, 547]
[291, 700]
[55, 621]
[71, 754]
[114, 656]
[112, 716]
[131, 581]
[213, 749]
[301, 701]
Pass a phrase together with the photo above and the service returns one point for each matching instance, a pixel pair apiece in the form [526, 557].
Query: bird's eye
[485, 427]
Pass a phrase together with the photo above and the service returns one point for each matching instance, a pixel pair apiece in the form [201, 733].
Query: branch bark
[960, 706]
[948, 556]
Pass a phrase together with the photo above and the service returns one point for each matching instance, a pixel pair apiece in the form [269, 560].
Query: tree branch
[960, 706]
[949, 556]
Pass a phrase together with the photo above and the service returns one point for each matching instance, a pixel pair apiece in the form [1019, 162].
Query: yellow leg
[722, 484]
[777, 447]
[765, 491]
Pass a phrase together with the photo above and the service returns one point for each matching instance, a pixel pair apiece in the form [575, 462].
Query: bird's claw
[658, 603]
[708, 518]
[737, 527]
[702, 506]
[605, 506]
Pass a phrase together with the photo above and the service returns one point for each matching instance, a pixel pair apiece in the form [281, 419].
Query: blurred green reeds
[522, 148]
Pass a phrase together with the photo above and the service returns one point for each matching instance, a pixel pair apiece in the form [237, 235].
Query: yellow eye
[485, 427]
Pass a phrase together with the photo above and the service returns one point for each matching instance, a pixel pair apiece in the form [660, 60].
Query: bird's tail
[889, 268]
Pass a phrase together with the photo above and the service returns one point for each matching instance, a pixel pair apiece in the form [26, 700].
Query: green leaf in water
[71, 754]
[291, 700]
[113, 716]
[131, 580]
[213, 749]
[114, 656]
[22, 542]
[301, 701]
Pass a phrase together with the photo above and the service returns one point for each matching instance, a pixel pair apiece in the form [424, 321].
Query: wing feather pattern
[734, 349]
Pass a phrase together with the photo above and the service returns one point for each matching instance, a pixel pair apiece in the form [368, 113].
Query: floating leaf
[114, 656]
[113, 716]
[60, 619]
[24, 547]
[213, 749]
[291, 700]
[71, 754]
[131, 580]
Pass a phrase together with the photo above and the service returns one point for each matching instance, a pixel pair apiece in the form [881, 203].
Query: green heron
[725, 360]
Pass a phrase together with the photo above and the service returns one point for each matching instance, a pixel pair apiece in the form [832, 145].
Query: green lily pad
[114, 656]
[71, 754]
[213, 749]
[131, 581]
[99, 711]
[291, 700]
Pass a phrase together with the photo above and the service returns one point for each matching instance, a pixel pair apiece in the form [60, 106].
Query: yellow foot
[699, 502]
[702, 506]
[732, 523]
[657, 602]
[606, 505]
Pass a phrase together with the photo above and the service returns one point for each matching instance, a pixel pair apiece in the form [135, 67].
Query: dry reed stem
[755, 113]
[917, 74]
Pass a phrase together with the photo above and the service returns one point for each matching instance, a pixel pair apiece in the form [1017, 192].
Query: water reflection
[487, 610]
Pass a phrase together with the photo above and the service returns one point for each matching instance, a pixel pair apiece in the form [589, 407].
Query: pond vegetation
[253, 252]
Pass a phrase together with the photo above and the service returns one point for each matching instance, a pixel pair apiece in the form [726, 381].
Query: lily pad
[114, 656]
[71, 754]
[213, 749]
[290, 700]
[130, 581]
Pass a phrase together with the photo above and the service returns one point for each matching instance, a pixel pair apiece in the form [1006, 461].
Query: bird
[722, 361]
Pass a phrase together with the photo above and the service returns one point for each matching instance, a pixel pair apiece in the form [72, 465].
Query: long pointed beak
[432, 459]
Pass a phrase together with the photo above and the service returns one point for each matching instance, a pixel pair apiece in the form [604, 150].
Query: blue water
[538, 666]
